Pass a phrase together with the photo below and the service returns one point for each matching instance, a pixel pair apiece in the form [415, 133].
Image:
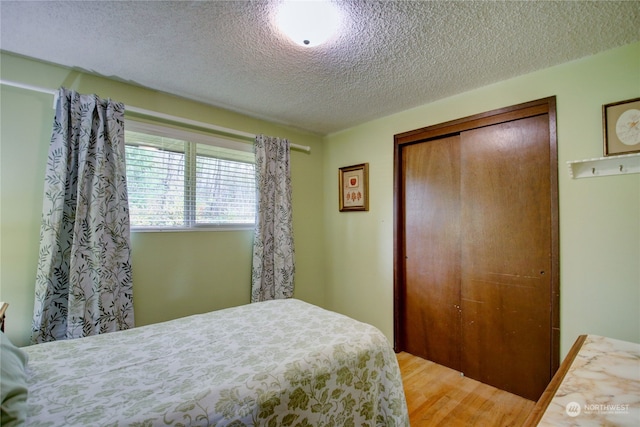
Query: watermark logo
[573, 409]
[615, 408]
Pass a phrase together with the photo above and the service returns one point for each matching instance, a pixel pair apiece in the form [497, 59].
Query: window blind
[177, 183]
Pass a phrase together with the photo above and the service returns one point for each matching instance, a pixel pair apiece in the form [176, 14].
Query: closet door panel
[506, 255]
[431, 188]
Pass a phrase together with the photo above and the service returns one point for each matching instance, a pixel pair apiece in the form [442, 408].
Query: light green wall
[599, 217]
[174, 273]
[344, 260]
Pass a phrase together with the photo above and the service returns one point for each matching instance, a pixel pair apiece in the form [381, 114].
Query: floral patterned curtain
[83, 281]
[273, 254]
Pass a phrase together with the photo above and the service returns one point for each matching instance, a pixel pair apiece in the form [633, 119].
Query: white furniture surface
[598, 384]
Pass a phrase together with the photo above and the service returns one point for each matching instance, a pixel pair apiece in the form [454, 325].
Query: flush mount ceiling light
[308, 22]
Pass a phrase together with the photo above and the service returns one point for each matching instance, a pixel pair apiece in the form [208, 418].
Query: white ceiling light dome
[308, 22]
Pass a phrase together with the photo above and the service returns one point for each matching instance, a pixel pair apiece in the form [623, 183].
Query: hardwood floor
[439, 396]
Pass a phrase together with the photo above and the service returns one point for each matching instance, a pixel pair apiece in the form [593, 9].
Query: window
[182, 179]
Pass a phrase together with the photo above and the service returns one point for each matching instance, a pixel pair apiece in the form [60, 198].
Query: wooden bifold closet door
[476, 246]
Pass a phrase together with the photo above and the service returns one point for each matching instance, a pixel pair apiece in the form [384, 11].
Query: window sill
[235, 227]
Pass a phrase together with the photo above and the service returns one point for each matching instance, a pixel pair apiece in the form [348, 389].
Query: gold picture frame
[353, 188]
[621, 127]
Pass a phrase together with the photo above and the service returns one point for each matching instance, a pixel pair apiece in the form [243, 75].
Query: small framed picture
[353, 183]
[621, 127]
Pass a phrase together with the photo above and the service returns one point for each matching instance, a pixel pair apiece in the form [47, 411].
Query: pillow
[13, 383]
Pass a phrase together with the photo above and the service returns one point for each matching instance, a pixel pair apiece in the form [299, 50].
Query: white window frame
[196, 137]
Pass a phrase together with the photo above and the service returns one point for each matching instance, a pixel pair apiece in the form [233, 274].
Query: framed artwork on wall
[621, 127]
[353, 188]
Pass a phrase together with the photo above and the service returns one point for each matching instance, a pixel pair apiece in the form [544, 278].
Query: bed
[274, 363]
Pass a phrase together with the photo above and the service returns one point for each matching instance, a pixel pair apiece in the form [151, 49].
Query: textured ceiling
[388, 57]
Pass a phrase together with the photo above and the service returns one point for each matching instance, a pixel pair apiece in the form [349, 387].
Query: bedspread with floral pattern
[274, 363]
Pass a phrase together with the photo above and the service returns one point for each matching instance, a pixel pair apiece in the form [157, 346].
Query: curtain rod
[157, 115]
